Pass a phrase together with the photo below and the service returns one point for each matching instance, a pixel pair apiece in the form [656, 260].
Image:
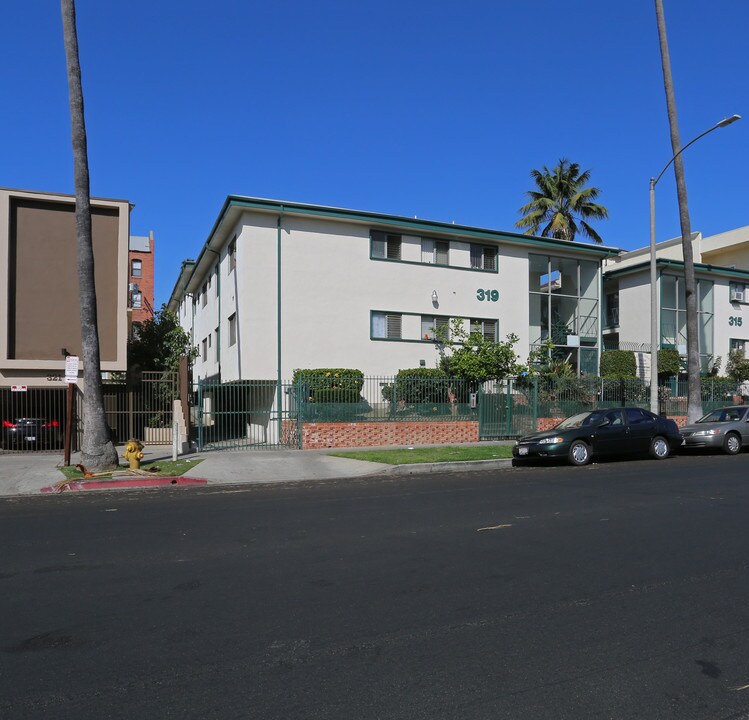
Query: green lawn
[447, 453]
[166, 468]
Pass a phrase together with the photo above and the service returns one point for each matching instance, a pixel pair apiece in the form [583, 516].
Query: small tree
[472, 357]
[160, 344]
[737, 366]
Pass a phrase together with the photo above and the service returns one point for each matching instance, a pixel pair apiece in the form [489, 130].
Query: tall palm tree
[97, 451]
[562, 204]
[694, 399]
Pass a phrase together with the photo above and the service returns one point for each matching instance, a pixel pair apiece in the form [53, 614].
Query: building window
[435, 252]
[136, 299]
[737, 345]
[385, 246]
[483, 257]
[216, 270]
[738, 293]
[135, 329]
[136, 268]
[232, 253]
[430, 324]
[204, 295]
[612, 310]
[564, 308]
[386, 325]
[204, 353]
[486, 328]
[674, 317]
[232, 330]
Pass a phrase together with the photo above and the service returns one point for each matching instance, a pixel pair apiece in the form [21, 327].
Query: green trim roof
[393, 221]
[677, 264]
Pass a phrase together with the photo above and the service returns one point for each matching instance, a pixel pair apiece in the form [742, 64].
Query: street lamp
[654, 340]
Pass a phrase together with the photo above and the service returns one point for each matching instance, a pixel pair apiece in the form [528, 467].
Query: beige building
[282, 285]
[722, 272]
[39, 308]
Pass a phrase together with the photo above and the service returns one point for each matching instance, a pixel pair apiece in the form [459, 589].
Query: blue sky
[434, 109]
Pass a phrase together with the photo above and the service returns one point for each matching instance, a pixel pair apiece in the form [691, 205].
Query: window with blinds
[431, 323]
[386, 246]
[487, 328]
[386, 325]
[483, 257]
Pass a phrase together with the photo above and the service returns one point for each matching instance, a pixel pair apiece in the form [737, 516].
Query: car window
[636, 416]
[722, 415]
[580, 420]
[615, 418]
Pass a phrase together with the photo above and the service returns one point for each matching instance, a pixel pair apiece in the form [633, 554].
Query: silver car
[724, 429]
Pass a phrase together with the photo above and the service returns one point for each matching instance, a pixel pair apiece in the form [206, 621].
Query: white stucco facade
[326, 287]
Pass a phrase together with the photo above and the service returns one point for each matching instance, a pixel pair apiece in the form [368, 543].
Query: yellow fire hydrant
[133, 453]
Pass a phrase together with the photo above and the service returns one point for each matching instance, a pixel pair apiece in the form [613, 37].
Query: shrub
[717, 389]
[669, 362]
[336, 395]
[618, 364]
[328, 385]
[418, 385]
[624, 391]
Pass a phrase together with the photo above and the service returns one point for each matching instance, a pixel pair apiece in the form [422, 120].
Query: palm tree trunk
[694, 403]
[98, 452]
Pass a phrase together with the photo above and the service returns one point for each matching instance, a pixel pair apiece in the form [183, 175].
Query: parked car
[724, 429]
[31, 433]
[617, 431]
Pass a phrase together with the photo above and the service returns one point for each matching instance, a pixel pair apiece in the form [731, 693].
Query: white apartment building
[283, 285]
[722, 272]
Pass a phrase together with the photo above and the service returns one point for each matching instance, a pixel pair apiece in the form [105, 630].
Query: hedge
[618, 364]
[331, 385]
[418, 385]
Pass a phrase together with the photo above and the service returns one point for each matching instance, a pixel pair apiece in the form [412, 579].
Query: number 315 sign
[735, 321]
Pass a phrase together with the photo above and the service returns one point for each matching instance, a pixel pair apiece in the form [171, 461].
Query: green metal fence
[508, 409]
[385, 399]
[253, 414]
[246, 414]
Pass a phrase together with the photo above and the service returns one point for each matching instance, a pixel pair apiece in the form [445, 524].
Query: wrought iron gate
[246, 414]
[509, 411]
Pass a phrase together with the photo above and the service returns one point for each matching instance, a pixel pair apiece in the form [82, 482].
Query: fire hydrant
[133, 454]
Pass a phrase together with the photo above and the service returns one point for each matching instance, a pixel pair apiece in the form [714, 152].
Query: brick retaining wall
[369, 434]
[549, 423]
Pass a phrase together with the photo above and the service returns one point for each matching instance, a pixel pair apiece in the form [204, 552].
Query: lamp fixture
[434, 296]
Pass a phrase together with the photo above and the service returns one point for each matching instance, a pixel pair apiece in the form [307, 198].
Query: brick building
[140, 295]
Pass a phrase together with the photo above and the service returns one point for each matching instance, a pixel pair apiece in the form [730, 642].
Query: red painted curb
[116, 483]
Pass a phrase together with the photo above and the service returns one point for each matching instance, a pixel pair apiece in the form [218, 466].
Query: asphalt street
[617, 590]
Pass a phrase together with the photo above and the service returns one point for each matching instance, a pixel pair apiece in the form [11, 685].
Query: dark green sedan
[617, 431]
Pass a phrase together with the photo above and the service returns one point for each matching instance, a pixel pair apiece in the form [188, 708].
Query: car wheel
[579, 453]
[732, 444]
[659, 448]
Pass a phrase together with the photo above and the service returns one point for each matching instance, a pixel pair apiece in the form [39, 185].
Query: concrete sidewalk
[27, 474]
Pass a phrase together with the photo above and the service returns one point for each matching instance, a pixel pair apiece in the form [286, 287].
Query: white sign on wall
[71, 369]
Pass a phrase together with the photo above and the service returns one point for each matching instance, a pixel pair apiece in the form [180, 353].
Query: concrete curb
[465, 466]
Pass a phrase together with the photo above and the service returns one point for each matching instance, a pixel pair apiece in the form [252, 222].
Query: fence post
[200, 415]
[508, 403]
[299, 412]
[535, 403]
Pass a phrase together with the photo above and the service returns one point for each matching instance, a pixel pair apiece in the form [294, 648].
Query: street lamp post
[654, 305]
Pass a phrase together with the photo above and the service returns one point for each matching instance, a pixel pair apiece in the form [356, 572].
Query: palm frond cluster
[561, 205]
